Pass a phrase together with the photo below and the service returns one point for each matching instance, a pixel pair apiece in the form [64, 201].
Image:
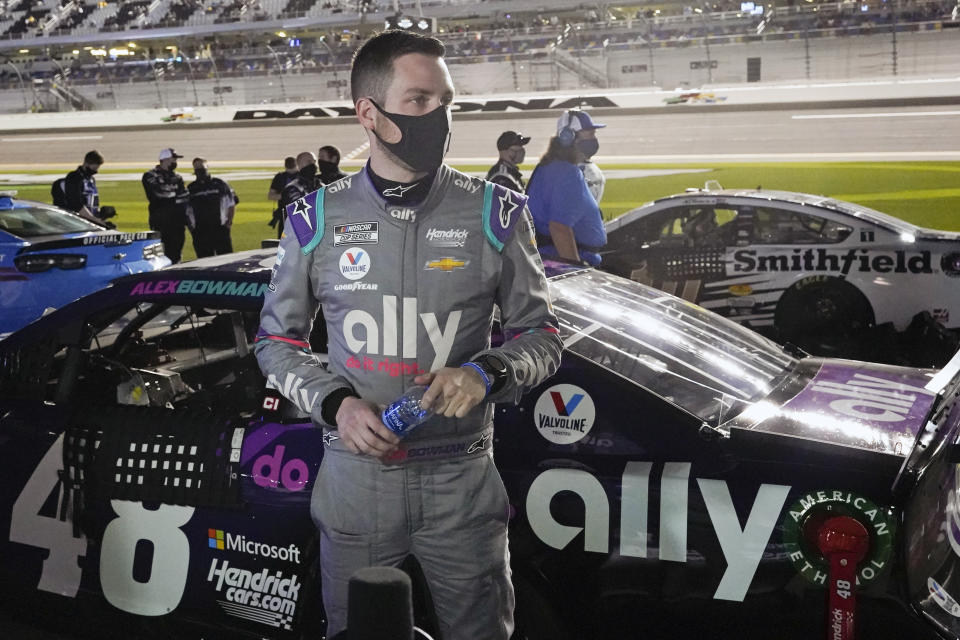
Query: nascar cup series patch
[564, 414]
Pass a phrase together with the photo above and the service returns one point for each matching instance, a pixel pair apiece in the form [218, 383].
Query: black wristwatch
[495, 369]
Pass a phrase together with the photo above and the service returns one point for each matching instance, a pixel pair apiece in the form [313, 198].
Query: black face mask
[91, 172]
[309, 171]
[173, 165]
[202, 174]
[588, 146]
[327, 167]
[424, 139]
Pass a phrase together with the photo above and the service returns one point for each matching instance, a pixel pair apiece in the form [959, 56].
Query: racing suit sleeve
[282, 345]
[532, 346]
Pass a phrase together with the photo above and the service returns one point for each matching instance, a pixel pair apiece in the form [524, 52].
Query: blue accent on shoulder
[305, 218]
[502, 208]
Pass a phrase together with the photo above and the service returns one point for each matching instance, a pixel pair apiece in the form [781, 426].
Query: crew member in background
[328, 159]
[210, 212]
[506, 171]
[276, 191]
[80, 193]
[168, 203]
[566, 214]
[307, 180]
[596, 181]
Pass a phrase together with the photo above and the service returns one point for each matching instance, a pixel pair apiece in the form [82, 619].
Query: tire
[822, 315]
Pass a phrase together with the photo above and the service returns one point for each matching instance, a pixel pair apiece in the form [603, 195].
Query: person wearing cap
[565, 213]
[506, 172]
[80, 187]
[167, 199]
[210, 212]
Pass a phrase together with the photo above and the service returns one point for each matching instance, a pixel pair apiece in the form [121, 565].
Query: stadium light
[24, 50]
[132, 45]
[282, 34]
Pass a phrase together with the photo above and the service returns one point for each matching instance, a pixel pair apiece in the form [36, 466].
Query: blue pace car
[679, 477]
[49, 257]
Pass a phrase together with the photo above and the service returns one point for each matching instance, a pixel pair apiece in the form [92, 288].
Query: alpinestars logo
[507, 208]
[303, 210]
[398, 191]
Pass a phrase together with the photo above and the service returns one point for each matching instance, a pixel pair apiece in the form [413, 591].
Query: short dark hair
[331, 151]
[372, 68]
[93, 157]
[289, 162]
[196, 160]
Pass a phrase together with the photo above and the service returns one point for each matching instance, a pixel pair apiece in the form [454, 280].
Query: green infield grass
[924, 193]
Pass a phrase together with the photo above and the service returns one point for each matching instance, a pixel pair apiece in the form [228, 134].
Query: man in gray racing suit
[408, 288]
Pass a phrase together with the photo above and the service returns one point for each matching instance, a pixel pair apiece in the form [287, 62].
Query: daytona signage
[488, 106]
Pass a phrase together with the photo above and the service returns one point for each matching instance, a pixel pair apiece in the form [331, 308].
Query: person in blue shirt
[566, 215]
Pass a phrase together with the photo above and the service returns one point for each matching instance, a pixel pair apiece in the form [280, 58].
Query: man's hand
[362, 431]
[453, 391]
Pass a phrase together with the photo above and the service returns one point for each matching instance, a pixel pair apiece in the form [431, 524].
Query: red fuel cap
[843, 534]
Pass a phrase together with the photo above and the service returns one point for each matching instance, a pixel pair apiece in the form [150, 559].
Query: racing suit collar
[434, 196]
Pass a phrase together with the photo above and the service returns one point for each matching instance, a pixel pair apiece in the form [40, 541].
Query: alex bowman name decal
[564, 414]
[356, 233]
[264, 596]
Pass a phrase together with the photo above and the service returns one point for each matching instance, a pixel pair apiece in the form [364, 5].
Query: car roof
[860, 212]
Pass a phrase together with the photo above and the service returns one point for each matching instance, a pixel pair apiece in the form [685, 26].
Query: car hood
[872, 408]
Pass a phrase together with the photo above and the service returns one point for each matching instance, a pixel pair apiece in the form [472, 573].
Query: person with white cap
[167, 197]
[506, 172]
[565, 212]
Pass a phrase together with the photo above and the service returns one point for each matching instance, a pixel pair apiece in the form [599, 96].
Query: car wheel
[821, 314]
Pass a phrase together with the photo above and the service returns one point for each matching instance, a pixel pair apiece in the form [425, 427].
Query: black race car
[680, 476]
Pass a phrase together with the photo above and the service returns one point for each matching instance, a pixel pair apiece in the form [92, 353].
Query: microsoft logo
[215, 538]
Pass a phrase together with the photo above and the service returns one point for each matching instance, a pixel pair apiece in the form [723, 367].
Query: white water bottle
[405, 413]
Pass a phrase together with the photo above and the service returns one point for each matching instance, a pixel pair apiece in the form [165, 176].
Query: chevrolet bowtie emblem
[445, 264]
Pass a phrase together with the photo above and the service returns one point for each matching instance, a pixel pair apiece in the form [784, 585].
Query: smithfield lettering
[843, 262]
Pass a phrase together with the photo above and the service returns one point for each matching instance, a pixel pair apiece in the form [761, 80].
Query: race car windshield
[30, 222]
[705, 364]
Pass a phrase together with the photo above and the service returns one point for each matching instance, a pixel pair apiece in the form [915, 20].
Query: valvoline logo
[564, 414]
[354, 263]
